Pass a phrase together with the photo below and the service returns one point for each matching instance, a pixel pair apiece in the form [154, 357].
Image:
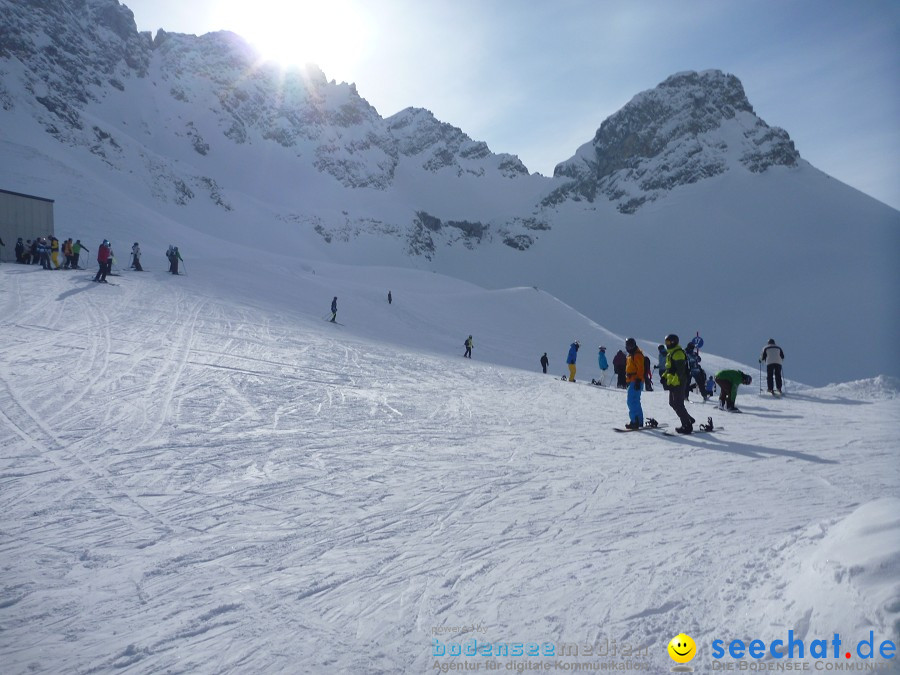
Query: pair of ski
[652, 425]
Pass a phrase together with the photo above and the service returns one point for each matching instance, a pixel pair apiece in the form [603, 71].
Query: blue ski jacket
[573, 352]
[601, 360]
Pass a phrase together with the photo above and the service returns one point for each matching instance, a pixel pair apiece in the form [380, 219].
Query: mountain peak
[692, 126]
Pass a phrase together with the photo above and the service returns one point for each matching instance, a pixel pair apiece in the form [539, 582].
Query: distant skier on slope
[136, 258]
[571, 358]
[545, 362]
[773, 356]
[729, 381]
[676, 377]
[104, 262]
[390, 298]
[334, 310]
[468, 345]
[634, 377]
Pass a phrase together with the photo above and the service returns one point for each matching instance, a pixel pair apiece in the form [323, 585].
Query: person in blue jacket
[661, 366]
[603, 363]
[570, 359]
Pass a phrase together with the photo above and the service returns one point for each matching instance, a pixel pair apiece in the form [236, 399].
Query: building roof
[21, 194]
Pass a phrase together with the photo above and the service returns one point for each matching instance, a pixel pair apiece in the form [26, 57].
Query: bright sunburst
[330, 33]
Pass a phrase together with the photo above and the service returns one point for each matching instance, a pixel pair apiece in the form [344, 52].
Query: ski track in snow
[190, 485]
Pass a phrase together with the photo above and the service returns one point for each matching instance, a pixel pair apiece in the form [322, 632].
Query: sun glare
[333, 34]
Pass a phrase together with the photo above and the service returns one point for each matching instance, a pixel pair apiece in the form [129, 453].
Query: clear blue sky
[536, 79]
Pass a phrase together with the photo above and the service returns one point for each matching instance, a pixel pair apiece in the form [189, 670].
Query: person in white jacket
[136, 258]
[773, 356]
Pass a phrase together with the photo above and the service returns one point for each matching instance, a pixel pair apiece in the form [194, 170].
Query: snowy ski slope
[200, 474]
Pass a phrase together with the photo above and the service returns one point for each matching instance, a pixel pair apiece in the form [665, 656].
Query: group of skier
[678, 366]
[45, 251]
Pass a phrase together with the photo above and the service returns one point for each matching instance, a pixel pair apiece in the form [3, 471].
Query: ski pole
[759, 377]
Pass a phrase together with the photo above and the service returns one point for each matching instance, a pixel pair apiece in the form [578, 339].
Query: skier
[602, 362]
[136, 258]
[104, 262]
[695, 372]
[176, 256]
[710, 386]
[334, 310]
[676, 377]
[619, 361]
[570, 359]
[729, 381]
[468, 344]
[773, 356]
[36, 251]
[545, 362]
[169, 256]
[20, 251]
[634, 376]
[77, 248]
[390, 298]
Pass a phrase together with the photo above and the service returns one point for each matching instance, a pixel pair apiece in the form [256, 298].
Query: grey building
[23, 216]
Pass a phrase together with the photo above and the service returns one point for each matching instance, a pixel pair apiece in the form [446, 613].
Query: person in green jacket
[729, 381]
[674, 375]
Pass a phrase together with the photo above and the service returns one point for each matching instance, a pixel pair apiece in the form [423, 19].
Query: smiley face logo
[682, 648]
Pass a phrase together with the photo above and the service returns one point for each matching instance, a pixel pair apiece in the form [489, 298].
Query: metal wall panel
[22, 216]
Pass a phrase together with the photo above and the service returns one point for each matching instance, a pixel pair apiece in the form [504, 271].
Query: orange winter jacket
[634, 366]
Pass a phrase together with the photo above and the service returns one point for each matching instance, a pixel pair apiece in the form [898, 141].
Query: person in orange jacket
[634, 378]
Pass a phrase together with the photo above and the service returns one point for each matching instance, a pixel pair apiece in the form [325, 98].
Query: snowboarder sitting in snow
[729, 381]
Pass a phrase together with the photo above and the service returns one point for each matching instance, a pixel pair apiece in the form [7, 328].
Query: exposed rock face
[690, 127]
[437, 145]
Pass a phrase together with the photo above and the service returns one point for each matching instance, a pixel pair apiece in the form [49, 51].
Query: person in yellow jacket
[634, 379]
[54, 251]
[676, 376]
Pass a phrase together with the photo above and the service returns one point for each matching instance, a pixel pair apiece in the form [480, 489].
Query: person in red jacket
[104, 260]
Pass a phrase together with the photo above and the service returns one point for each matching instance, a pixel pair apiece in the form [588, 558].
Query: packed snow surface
[201, 474]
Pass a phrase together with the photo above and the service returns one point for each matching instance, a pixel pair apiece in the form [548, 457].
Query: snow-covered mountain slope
[686, 213]
[201, 474]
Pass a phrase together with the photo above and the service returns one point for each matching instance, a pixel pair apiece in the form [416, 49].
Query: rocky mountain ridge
[79, 65]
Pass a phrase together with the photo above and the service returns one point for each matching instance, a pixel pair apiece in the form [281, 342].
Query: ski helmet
[746, 379]
[602, 348]
[671, 339]
[771, 341]
[662, 348]
[630, 345]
